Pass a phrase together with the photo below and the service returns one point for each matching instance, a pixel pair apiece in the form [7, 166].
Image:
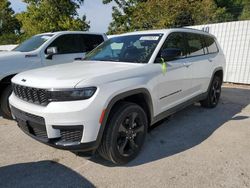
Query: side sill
[177, 108]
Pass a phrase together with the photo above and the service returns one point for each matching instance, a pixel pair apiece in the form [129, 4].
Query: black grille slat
[71, 135]
[32, 95]
[40, 133]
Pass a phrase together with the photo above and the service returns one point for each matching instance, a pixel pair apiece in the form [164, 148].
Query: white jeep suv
[108, 101]
[43, 50]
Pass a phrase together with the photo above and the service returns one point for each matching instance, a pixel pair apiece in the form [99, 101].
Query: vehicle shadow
[41, 174]
[189, 127]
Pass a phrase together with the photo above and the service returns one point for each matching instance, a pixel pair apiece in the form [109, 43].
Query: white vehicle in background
[4, 48]
[43, 50]
[128, 83]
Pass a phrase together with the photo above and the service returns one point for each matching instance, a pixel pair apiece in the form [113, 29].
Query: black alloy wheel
[125, 133]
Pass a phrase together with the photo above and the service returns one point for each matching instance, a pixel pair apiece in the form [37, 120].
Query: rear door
[199, 63]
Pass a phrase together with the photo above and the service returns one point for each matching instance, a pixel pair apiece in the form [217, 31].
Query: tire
[214, 93]
[125, 134]
[4, 102]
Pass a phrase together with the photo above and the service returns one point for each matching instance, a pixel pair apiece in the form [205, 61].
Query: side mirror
[50, 52]
[170, 54]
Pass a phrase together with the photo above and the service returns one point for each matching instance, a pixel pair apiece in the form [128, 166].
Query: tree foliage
[232, 7]
[246, 10]
[122, 15]
[130, 15]
[51, 15]
[9, 25]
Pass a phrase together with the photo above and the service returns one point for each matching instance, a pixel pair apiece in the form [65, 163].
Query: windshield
[33, 43]
[131, 48]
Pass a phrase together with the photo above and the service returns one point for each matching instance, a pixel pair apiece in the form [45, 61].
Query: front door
[69, 49]
[174, 85]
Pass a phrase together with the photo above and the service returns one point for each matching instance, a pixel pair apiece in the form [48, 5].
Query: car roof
[167, 31]
[71, 32]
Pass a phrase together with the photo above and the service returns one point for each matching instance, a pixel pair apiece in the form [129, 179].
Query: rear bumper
[70, 136]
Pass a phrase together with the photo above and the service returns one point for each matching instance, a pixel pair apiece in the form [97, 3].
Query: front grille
[32, 95]
[71, 135]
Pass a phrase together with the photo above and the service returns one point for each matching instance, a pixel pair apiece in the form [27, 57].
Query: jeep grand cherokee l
[108, 101]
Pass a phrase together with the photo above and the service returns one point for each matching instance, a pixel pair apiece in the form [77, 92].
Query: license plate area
[23, 125]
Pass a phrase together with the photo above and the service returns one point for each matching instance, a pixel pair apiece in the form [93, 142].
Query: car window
[211, 45]
[195, 45]
[33, 43]
[66, 44]
[131, 48]
[91, 41]
[176, 41]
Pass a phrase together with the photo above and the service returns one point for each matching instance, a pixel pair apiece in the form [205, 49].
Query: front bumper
[65, 125]
[70, 138]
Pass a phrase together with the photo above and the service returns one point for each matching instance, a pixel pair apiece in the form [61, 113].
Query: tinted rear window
[211, 44]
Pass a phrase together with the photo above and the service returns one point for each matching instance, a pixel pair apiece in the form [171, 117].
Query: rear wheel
[214, 93]
[125, 134]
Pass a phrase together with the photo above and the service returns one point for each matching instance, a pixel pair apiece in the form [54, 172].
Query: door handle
[187, 64]
[78, 58]
[210, 60]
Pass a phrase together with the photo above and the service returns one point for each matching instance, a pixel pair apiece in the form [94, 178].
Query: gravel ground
[196, 147]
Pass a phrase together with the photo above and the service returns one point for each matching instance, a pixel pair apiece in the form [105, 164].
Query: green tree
[132, 15]
[51, 15]
[122, 15]
[246, 11]
[9, 25]
[232, 7]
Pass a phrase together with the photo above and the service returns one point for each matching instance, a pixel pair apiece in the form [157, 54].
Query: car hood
[70, 74]
[7, 55]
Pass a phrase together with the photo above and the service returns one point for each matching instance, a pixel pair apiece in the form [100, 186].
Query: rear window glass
[211, 45]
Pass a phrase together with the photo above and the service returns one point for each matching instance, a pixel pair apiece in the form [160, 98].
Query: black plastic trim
[170, 94]
[68, 127]
[121, 96]
[178, 108]
[215, 70]
[54, 142]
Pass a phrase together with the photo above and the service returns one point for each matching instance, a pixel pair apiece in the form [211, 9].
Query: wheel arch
[139, 96]
[217, 71]
[4, 82]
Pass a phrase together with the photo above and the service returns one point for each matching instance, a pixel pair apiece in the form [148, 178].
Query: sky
[98, 14]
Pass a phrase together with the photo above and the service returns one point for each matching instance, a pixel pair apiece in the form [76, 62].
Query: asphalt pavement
[196, 147]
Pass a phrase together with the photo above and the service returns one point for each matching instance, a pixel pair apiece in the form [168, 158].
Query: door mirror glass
[170, 54]
[50, 52]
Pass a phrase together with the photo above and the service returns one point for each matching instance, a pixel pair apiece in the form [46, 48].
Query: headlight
[72, 94]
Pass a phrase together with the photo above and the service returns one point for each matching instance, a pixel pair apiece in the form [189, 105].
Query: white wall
[7, 47]
[234, 38]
